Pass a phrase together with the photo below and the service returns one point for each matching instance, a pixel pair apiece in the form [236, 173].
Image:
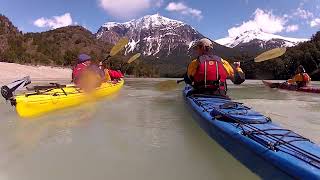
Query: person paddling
[110, 75]
[208, 73]
[86, 74]
[301, 79]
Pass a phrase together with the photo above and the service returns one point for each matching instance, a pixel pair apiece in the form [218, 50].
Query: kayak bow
[264, 147]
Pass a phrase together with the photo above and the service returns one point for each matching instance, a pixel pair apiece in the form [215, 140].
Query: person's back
[83, 63]
[301, 79]
[87, 75]
[115, 75]
[208, 73]
[110, 75]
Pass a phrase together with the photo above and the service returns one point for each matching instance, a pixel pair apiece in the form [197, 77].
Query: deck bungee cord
[275, 141]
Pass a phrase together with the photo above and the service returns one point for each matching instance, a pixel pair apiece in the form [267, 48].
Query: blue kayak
[267, 149]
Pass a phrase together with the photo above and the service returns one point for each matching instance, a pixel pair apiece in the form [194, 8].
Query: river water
[139, 133]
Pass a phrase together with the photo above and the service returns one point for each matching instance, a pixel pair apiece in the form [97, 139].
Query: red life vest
[306, 78]
[210, 73]
[77, 70]
[115, 74]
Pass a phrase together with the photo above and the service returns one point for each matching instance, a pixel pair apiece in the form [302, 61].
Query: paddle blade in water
[167, 85]
[273, 53]
[133, 58]
[119, 46]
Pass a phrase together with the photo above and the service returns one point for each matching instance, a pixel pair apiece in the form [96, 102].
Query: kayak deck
[308, 89]
[38, 103]
[254, 140]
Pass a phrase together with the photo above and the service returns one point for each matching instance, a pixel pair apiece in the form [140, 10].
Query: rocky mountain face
[152, 35]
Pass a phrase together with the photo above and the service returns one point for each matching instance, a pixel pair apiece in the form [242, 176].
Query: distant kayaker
[87, 74]
[301, 79]
[208, 73]
[110, 75]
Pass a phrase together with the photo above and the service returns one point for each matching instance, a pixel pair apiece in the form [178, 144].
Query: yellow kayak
[38, 103]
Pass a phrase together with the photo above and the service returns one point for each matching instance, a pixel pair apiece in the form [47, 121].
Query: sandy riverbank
[12, 71]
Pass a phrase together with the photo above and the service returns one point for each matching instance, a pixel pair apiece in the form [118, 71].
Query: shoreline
[12, 71]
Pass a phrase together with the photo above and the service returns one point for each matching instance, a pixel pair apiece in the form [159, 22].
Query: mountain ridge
[150, 34]
[263, 37]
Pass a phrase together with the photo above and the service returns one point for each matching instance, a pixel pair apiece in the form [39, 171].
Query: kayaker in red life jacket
[301, 79]
[110, 75]
[208, 73]
[86, 73]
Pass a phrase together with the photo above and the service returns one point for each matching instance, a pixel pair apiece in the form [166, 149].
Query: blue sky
[215, 19]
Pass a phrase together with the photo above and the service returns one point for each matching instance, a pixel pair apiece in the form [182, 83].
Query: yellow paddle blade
[167, 85]
[119, 46]
[134, 57]
[273, 53]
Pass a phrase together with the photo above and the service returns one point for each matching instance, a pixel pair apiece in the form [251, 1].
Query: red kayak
[289, 87]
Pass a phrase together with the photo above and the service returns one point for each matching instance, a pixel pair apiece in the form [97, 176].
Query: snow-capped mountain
[152, 35]
[165, 42]
[258, 38]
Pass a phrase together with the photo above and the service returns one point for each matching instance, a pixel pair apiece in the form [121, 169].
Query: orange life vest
[306, 80]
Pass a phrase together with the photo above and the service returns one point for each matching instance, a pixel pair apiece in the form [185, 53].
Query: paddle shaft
[109, 56]
[248, 61]
[179, 81]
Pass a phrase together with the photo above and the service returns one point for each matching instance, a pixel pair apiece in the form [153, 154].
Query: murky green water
[140, 133]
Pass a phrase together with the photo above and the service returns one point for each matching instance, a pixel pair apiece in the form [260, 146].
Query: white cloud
[315, 22]
[302, 13]
[263, 20]
[292, 28]
[184, 9]
[127, 8]
[54, 22]
[172, 6]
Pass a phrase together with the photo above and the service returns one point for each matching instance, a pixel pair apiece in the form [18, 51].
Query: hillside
[56, 47]
[59, 47]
